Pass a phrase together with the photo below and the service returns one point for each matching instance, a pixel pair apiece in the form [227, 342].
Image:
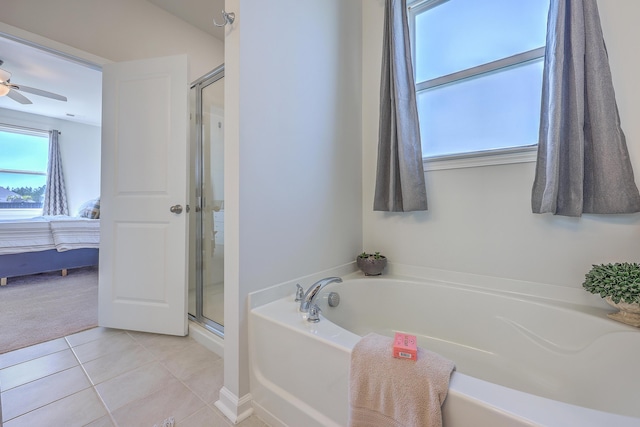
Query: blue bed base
[12, 265]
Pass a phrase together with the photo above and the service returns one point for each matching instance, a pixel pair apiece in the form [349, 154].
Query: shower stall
[206, 225]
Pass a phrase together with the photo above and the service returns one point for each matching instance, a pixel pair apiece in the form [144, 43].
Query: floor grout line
[95, 390]
[48, 403]
[155, 359]
[163, 364]
[39, 378]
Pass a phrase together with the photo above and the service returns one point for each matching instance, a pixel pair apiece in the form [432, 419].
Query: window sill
[481, 158]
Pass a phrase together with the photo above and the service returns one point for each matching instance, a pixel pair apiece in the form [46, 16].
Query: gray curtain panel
[55, 196]
[583, 163]
[400, 185]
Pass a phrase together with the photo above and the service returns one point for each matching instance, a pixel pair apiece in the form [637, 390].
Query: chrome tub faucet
[310, 296]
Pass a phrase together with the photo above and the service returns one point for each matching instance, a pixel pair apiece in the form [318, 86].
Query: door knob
[176, 209]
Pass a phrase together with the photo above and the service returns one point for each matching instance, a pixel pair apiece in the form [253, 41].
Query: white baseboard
[234, 408]
[208, 339]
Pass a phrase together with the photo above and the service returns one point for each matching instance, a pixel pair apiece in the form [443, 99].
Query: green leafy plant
[619, 281]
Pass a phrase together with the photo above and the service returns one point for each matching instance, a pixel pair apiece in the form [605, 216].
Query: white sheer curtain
[400, 185]
[583, 163]
[55, 196]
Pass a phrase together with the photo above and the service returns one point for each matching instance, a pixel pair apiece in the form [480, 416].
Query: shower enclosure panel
[206, 290]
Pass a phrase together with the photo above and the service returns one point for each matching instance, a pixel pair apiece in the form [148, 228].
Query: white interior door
[143, 248]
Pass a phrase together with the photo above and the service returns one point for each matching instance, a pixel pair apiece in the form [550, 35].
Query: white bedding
[52, 232]
[75, 233]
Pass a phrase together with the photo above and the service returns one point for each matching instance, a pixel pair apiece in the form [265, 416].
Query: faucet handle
[314, 314]
[299, 293]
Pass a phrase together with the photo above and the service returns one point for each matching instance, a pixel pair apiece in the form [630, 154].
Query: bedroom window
[478, 74]
[23, 171]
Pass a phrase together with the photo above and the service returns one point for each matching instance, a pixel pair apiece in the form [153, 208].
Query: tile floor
[108, 377]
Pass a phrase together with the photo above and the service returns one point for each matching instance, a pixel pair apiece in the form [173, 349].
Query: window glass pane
[23, 152]
[22, 194]
[495, 110]
[460, 34]
[11, 181]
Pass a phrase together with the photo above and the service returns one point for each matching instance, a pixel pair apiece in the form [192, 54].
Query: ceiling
[43, 70]
[199, 13]
[81, 84]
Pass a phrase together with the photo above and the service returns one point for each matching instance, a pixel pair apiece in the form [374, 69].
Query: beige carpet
[43, 307]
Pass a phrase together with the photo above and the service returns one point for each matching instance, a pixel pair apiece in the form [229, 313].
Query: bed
[47, 243]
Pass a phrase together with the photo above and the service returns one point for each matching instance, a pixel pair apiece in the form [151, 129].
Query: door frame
[66, 52]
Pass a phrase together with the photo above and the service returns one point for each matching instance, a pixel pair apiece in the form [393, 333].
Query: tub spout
[311, 294]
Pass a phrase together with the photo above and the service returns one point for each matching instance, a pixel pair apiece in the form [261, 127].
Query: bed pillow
[90, 209]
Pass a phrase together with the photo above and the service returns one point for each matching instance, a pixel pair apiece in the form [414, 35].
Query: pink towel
[385, 391]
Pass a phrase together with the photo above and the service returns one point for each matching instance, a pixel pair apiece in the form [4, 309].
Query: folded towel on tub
[385, 391]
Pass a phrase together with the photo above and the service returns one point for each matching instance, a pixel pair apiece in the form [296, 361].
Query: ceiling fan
[13, 90]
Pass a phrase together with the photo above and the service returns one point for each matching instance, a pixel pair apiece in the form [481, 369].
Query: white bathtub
[521, 360]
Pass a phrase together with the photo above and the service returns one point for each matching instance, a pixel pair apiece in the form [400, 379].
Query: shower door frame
[201, 83]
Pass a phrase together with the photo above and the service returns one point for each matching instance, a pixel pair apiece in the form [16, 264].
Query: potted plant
[371, 264]
[619, 285]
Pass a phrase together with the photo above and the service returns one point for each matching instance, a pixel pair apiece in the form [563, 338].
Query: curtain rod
[7, 125]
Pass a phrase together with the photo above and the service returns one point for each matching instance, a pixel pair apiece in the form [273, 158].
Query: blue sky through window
[23, 152]
[499, 110]
[461, 34]
[491, 107]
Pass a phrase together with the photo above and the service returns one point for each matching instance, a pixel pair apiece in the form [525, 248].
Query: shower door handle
[176, 209]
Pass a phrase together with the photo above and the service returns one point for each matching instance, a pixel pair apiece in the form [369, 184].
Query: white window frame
[501, 156]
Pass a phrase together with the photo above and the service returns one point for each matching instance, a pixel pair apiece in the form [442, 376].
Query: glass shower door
[207, 304]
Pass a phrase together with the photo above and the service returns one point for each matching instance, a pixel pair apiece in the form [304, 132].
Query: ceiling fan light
[4, 75]
[4, 90]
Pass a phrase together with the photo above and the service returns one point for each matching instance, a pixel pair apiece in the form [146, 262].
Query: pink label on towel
[405, 347]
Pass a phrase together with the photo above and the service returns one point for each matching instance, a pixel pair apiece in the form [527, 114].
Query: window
[23, 171]
[478, 72]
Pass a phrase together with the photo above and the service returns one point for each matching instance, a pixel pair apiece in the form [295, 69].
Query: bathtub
[521, 359]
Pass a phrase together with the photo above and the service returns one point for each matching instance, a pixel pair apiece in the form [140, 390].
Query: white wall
[479, 219]
[80, 151]
[293, 150]
[117, 30]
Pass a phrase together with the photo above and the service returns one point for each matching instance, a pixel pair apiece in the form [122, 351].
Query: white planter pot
[629, 313]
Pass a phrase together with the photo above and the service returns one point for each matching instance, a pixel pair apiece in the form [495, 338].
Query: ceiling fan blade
[18, 97]
[41, 92]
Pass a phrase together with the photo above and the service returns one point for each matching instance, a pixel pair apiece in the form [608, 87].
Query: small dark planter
[371, 266]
